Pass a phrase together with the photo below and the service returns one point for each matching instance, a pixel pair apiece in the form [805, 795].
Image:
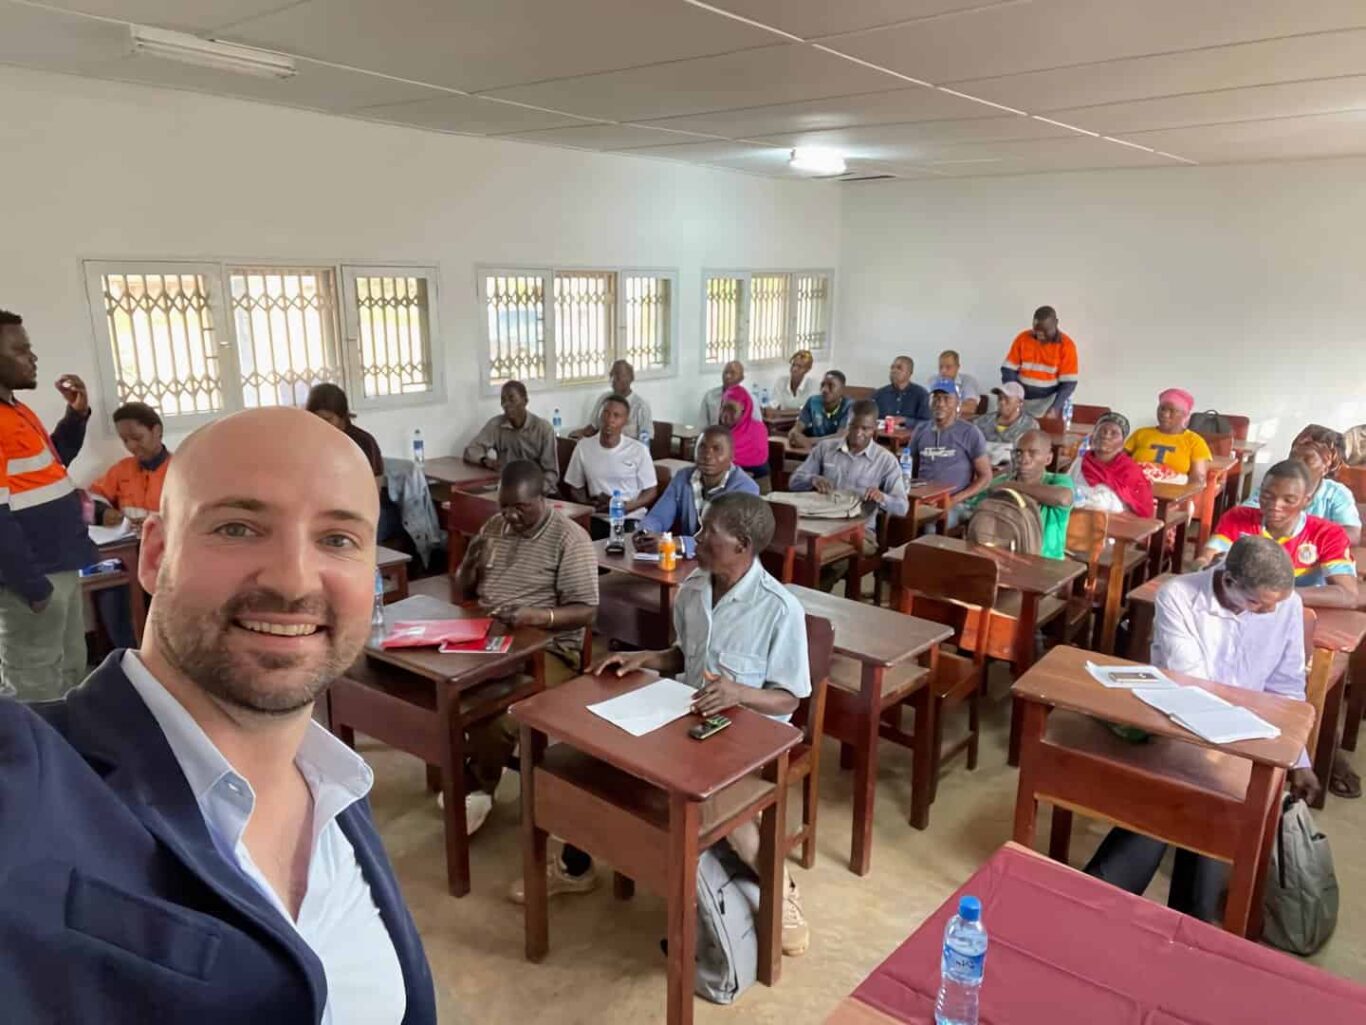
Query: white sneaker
[477, 807]
[796, 933]
[557, 880]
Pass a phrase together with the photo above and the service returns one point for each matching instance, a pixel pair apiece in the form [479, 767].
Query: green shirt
[1053, 517]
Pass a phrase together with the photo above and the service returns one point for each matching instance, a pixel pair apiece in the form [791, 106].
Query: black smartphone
[708, 726]
[616, 547]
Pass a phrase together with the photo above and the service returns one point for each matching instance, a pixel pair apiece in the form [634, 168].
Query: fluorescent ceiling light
[817, 160]
[208, 53]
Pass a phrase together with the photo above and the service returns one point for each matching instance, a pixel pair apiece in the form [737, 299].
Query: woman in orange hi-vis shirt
[1044, 362]
[131, 488]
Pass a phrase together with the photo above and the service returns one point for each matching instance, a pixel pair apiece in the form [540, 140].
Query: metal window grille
[161, 337]
[515, 317]
[585, 324]
[394, 333]
[647, 314]
[723, 319]
[811, 311]
[768, 309]
[285, 320]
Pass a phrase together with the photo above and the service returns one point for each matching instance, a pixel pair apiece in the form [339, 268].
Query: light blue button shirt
[338, 918]
[755, 635]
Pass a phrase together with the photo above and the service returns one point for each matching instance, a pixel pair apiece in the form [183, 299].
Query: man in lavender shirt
[1240, 623]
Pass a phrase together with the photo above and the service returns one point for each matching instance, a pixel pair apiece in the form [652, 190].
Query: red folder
[429, 633]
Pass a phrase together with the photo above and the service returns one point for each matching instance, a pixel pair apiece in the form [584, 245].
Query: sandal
[1343, 781]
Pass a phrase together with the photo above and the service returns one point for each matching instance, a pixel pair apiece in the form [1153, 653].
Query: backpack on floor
[1211, 421]
[727, 934]
[1007, 519]
[1300, 908]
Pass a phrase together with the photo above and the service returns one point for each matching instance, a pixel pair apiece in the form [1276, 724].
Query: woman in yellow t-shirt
[1170, 453]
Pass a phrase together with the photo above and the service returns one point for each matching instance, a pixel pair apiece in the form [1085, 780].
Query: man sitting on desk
[732, 374]
[1007, 425]
[855, 463]
[824, 414]
[609, 461]
[528, 566]
[1053, 491]
[1240, 624]
[639, 418]
[951, 451]
[741, 641]
[1325, 575]
[684, 502]
[517, 434]
[901, 397]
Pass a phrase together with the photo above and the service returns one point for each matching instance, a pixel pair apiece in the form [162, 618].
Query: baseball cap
[1012, 389]
[947, 384]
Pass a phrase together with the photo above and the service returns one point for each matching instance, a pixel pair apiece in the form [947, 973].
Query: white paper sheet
[1228, 725]
[1177, 701]
[1130, 677]
[647, 708]
[108, 535]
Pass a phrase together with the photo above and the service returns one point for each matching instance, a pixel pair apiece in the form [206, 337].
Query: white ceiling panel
[1047, 34]
[1282, 60]
[1257, 102]
[897, 105]
[58, 42]
[453, 113]
[184, 15]
[911, 142]
[1076, 153]
[812, 19]
[477, 45]
[605, 136]
[1292, 138]
[775, 74]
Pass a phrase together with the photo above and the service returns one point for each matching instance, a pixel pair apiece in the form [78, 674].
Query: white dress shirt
[783, 397]
[1194, 634]
[338, 918]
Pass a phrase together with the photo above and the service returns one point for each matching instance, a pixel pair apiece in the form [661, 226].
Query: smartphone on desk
[707, 727]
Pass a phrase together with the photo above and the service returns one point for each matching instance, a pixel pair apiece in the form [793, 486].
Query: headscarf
[1329, 443]
[1121, 474]
[748, 435]
[1181, 399]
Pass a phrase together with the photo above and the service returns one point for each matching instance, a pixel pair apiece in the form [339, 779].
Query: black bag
[1007, 519]
[1211, 421]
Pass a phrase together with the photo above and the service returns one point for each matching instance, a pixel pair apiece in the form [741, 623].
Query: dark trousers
[1130, 861]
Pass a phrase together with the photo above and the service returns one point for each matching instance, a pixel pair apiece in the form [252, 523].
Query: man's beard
[196, 643]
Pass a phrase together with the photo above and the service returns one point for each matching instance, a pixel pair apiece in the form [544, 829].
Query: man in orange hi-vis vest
[43, 537]
[1044, 361]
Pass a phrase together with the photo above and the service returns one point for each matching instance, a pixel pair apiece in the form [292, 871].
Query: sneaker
[796, 933]
[557, 881]
[477, 807]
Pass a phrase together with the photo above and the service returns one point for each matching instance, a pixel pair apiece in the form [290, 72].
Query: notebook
[430, 633]
[1207, 715]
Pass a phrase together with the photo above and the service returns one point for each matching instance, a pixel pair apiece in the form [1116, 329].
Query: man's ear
[151, 552]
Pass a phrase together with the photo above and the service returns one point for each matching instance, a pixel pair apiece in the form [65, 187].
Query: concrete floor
[605, 966]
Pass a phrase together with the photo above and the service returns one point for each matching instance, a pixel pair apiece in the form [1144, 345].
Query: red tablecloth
[1067, 949]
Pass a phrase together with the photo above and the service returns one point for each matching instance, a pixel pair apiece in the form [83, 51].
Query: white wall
[1244, 285]
[99, 170]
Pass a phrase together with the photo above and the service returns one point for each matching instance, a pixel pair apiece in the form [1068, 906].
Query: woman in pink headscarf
[749, 434]
[1170, 453]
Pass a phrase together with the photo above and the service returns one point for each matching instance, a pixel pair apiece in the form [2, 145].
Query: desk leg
[1356, 676]
[772, 829]
[1328, 740]
[666, 609]
[813, 563]
[682, 907]
[1141, 618]
[137, 604]
[401, 582]
[535, 909]
[922, 757]
[865, 767]
[1114, 596]
[1249, 863]
[1024, 658]
[1033, 718]
[1179, 553]
[453, 791]
[1157, 543]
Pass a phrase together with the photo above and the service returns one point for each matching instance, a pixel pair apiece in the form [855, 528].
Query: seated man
[609, 461]
[1240, 624]
[528, 566]
[856, 463]
[1007, 424]
[969, 391]
[732, 373]
[951, 450]
[792, 389]
[741, 641]
[517, 434]
[1325, 574]
[901, 397]
[639, 419]
[824, 414]
[1053, 491]
[684, 502]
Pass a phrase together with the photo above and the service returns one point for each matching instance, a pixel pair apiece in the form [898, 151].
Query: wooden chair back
[982, 405]
[465, 517]
[957, 589]
[777, 462]
[780, 557]
[1083, 415]
[564, 451]
[1219, 444]
[1355, 479]
[1319, 662]
[854, 392]
[663, 475]
[1240, 424]
[661, 439]
[1086, 535]
[820, 652]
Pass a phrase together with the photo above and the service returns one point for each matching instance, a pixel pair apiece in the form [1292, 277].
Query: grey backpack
[838, 505]
[1300, 908]
[727, 936]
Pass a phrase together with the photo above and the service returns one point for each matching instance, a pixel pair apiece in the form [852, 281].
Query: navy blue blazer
[116, 906]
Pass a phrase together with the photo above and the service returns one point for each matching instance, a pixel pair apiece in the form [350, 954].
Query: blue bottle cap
[969, 909]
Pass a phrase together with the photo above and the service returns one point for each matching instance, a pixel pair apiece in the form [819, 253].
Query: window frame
[743, 321]
[547, 273]
[216, 273]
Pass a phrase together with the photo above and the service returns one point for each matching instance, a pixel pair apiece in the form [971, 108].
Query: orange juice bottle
[668, 554]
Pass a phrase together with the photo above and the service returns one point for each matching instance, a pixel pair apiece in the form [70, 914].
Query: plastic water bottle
[965, 955]
[645, 436]
[907, 466]
[556, 422]
[616, 515]
[377, 613]
[419, 450]
[1067, 415]
[764, 397]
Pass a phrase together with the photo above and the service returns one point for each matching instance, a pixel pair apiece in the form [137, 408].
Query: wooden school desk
[649, 573]
[647, 806]
[126, 550]
[1124, 529]
[454, 471]
[393, 569]
[1222, 801]
[1171, 510]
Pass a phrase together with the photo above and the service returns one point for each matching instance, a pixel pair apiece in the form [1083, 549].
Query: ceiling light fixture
[815, 160]
[208, 53]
